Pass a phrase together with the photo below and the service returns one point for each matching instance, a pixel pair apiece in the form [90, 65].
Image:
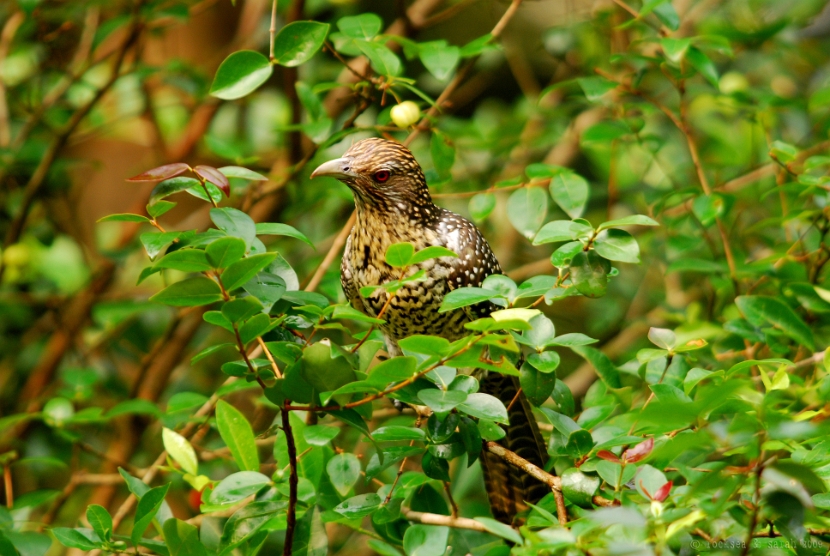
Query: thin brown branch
[273, 30]
[339, 241]
[445, 520]
[554, 482]
[6, 38]
[7, 484]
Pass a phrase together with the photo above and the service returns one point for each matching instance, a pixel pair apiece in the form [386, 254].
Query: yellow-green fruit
[405, 114]
[732, 82]
[17, 255]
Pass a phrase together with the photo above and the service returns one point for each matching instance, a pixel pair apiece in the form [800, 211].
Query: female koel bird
[394, 205]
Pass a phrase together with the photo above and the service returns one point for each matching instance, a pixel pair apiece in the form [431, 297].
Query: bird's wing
[347, 278]
[475, 262]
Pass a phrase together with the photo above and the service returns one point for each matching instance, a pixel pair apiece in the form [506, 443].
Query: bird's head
[381, 173]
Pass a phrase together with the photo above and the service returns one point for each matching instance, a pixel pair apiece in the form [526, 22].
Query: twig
[6, 37]
[403, 464]
[291, 517]
[554, 482]
[273, 29]
[453, 505]
[7, 483]
[270, 357]
[438, 519]
[339, 241]
[753, 518]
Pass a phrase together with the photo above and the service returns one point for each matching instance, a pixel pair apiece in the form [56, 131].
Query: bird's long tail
[508, 488]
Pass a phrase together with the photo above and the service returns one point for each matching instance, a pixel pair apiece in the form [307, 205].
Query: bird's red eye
[382, 176]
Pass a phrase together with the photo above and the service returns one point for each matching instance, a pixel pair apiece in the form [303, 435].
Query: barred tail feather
[509, 488]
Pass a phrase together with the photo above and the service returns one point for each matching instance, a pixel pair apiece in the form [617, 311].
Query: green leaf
[393, 433]
[573, 339]
[393, 370]
[760, 310]
[595, 87]
[241, 173]
[159, 208]
[426, 540]
[702, 64]
[155, 243]
[536, 385]
[562, 230]
[482, 205]
[526, 209]
[277, 229]
[500, 529]
[604, 132]
[399, 255]
[148, 506]
[344, 471]
[240, 272]
[190, 292]
[570, 191]
[363, 26]
[320, 435]
[383, 60]
[100, 520]
[359, 506]
[606, 370]
[439, 58]
[124, 218]
[235, 223]
[237, 486]
[298, 41]
[617, 245]
[675, 49]
[579, 441]
[83, 539]
[182, 538]
[186, 260]
[462, 297]
[238, 436]
[579, 488]
[240, 74]
[636, 219]
[441, 401]
[484, 406]
[564, 256]
[666, 13]
[589, 273]
[225, 251]
[180, 450]
[708, 208]
[433, 252]
[171, 186]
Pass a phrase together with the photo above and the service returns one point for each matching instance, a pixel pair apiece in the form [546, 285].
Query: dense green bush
[188, 379]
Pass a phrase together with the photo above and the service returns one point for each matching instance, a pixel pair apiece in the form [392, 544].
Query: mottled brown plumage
[394, 205]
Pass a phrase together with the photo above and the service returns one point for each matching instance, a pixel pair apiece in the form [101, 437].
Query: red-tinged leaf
[663, 492]
[215, 177]
[608, 456]
[162, 172]
[638, 452]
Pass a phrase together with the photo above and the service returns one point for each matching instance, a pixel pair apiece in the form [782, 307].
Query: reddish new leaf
[162, 172]
[215, 177]
[608, 456]
[638, 452]
[663, 492]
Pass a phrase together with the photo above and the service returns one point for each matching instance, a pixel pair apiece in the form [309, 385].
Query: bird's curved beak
[339, 168]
